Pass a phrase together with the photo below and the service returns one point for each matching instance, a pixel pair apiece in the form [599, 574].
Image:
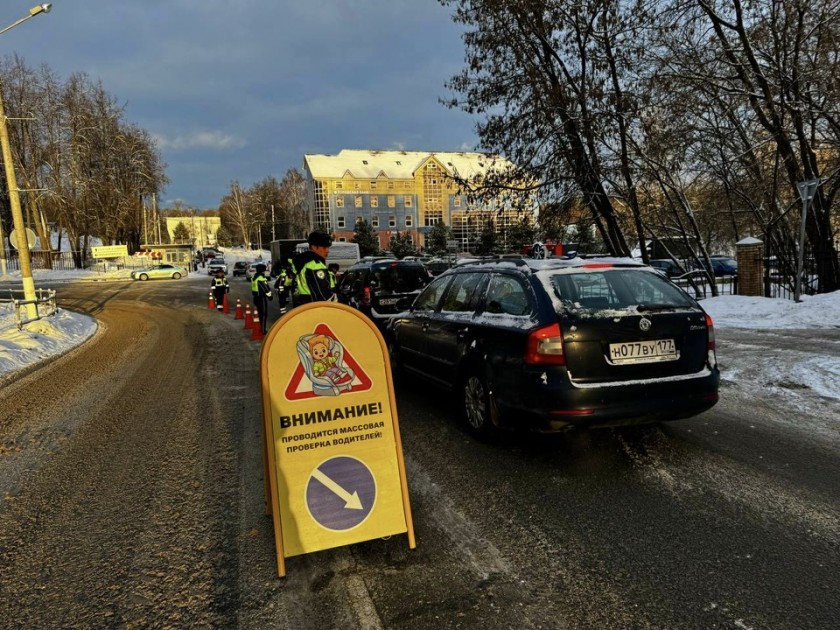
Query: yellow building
[202, 229]
[406, 191]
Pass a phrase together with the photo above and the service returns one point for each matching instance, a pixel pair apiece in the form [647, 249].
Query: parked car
[214, 265]
[548, 344]
[381, 288]
[240, 268]
[724, 266]
[252, 268]
[160, 271]
[667, 266]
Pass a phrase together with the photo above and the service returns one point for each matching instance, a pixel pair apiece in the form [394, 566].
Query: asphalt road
[131, 478]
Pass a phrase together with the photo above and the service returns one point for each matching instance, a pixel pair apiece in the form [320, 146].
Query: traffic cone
[237, 314]
[256, 331]
[225, 307]
[249, 321]
[211, 304]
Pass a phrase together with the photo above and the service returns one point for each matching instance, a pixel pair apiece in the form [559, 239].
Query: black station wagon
[380, 288]
[549, 344]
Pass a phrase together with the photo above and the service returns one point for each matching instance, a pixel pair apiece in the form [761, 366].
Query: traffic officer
[312, 275]
[333, 267]
[220, 287]
[261, 294]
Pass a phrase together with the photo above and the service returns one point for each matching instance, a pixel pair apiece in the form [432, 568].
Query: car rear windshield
[400, 278]
[616, 289]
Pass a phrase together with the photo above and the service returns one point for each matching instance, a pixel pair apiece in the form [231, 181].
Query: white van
[341, 253]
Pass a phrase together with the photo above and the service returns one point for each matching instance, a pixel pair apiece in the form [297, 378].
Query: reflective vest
[220, 282]
[316, 267]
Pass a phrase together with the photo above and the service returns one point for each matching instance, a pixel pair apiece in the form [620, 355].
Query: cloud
[213, 140]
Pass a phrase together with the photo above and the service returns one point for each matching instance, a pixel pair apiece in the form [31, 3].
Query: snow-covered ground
[54, 335]
[800, 372]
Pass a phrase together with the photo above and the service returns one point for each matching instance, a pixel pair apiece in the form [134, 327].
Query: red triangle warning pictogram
[300, 388]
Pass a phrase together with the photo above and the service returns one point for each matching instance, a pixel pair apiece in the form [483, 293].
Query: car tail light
[366, 296]
[711, 328]
[545, 346]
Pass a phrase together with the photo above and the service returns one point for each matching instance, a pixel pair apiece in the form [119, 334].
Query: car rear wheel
[144, 276]
[176, 276]
[479, 408]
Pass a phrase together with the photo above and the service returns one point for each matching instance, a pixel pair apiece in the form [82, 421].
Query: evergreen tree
[519, 234]
[181, 233]
[436, 238]
[401, 245]
[487, 240]
[366, 238]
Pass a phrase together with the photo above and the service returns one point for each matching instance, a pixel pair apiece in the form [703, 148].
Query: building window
[342, 240]
[373, 185]
[339, 221]
[433, 217]
[374, 201]
[392, 221]
[409, 220]
[392, 201]
[390, 185]
[339, 185]
[374, 221]
[407, 200]
[407, 185]
[339, 201]
[358, 201]
[456, 202]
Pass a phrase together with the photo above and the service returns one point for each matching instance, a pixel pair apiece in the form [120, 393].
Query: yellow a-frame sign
[334, 467]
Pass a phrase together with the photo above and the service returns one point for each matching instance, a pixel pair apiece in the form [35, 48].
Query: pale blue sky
[242, 89]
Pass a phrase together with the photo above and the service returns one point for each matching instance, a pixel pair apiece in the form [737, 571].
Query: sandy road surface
[132, 496]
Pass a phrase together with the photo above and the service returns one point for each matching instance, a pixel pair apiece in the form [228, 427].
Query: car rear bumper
[554, 403]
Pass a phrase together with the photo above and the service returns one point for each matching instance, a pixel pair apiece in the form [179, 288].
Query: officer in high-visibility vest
[312, 275]
[333, 267]
[219, 287]
[261, 294]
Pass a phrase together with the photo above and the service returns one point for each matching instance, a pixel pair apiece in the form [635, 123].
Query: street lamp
[11, 183]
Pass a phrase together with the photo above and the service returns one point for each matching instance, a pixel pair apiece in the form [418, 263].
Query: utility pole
[272, 223]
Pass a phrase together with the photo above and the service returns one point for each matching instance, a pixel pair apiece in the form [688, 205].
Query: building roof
[364, 164]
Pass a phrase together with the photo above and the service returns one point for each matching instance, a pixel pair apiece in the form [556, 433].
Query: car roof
[535, 265]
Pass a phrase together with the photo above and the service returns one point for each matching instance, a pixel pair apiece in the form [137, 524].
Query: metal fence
[15, 300]
[67, 261]
[698, 284]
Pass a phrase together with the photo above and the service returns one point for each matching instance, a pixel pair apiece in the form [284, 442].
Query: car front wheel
[144, 276]
[478, 406]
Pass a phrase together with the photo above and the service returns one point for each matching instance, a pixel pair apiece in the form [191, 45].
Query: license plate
[388, 301]
[648, 351]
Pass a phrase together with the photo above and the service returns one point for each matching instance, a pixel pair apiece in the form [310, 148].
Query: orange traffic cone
[211, 304]
[237, 314]
[225, 307]
[249, 321]
[257, 331]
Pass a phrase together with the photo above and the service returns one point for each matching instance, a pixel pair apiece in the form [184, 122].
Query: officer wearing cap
[261, 294]
[313, 277]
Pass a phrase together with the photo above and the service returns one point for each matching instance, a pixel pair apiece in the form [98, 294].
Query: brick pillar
[749, 253]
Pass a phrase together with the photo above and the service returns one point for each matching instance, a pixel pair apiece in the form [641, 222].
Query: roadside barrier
[237, 314]
[249, 320]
